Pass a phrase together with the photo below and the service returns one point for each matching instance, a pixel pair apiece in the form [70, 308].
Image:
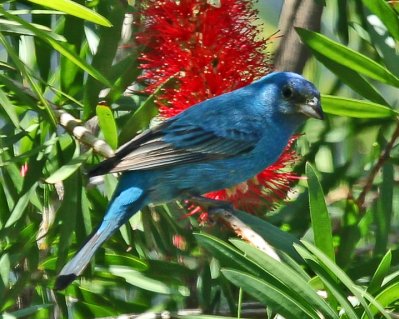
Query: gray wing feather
[175, 145]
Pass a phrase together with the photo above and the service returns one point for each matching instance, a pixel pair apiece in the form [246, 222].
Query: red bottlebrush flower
[210, 50]
[24, 170]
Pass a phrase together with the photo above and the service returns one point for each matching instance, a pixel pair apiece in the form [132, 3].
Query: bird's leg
[211, 204]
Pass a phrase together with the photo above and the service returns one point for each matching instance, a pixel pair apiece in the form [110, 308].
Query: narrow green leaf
[269, 295]
[4, 208]
[273, 235]
[384, 209]
[287, 276]
[67, 215]
[385, 298]
[226, 254]
[352, 79]
[107, 124]
[321, 223]
[74, 9]
[25, 312]
[15, 27]
[138, 279]
[373, 304]
[9, 108]
[387, 15]
[355, 108]
[68, 169]
[382, 41]
[335, 292]
[340, 274]
[124, 72]
[20, 207]
[5, 269]
[127, 260]
[142, 117]
[380, 274]
[347, 57]
[342, 26]
[60, 47]
[107, 47]
[139, 120]
[26, 73]
[38, 12]
[90, 310]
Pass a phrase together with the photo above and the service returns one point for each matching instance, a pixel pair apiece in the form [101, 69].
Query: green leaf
[386, 297]
[142, 117]
[387, 15]
[138, 279]
[269, 295]
[68, 169]
[20, 206]
[204, 317]
[321, 223]
[355, 108]
[26, 73]
[334, 291]
[332, 268]
[124, 72]
[74, 9]
[382, 41]
[254, 264]
[107, 124]
[25, 312]
[273, 235]
[139, 120]
[290, 278]
[352, 79]
[105, 53]
[9, 108]
[379, 275]
[15, 27]
[66, 216]
[384, 209]
[127, 260]
[229, 256]
[60, 47]
[347, 57]
[5, 269]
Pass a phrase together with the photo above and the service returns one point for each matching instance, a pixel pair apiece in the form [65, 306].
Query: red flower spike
[210, 50]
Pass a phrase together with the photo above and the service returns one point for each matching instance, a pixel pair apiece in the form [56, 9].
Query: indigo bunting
[213, 145]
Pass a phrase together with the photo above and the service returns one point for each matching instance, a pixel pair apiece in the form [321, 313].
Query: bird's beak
[312, 108]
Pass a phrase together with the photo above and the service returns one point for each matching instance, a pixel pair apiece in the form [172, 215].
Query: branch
[242, 230]
[361, 200]
[73, 125]
[291, 54]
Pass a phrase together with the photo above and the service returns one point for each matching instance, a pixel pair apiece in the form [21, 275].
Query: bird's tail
[122, 207]
[79, 262]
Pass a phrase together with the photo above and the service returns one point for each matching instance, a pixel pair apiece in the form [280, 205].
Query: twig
[244, 231]
[360, 201]
[73, 126]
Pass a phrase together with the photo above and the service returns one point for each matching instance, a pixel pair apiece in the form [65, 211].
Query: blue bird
[213, 145]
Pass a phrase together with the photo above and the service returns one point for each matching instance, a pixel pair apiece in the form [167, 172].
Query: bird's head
[293, 95]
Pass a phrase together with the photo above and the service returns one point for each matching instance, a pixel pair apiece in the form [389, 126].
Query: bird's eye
[287, 92]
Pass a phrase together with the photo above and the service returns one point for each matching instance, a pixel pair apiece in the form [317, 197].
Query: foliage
[336, 238]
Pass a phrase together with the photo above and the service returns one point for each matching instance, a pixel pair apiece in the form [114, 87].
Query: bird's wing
[176, 143]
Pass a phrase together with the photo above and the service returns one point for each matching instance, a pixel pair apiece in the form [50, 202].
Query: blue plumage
[213, 145]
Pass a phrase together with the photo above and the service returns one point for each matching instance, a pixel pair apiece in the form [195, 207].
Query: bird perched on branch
[213, 145]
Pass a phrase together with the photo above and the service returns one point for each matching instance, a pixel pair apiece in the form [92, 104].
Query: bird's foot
[211, 204]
